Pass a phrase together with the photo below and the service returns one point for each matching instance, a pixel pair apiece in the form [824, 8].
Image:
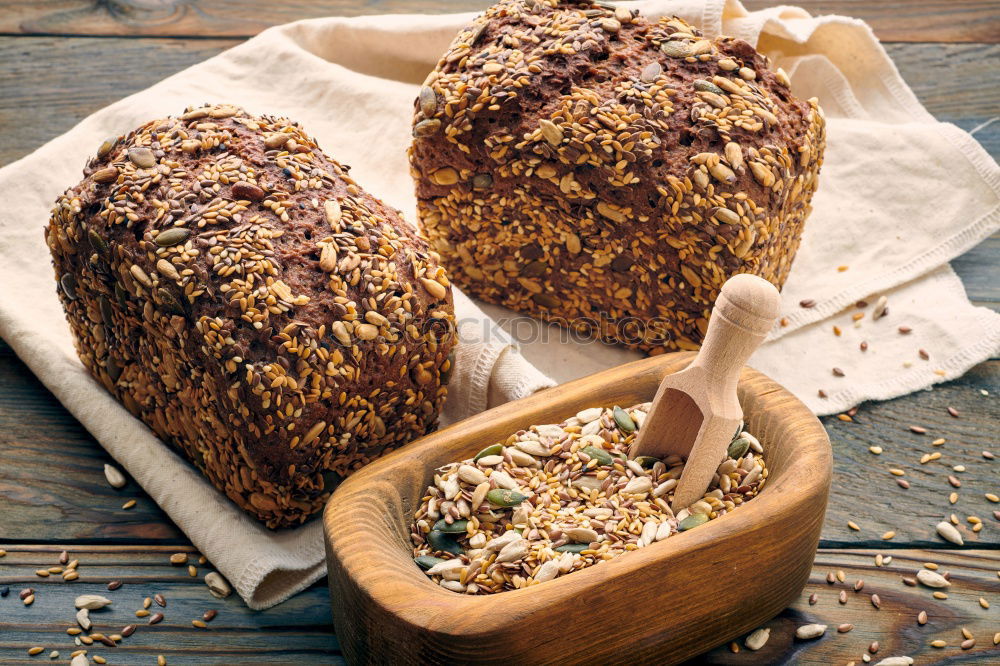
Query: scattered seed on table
[931, 565]
[808, 631]
[200, 624]
[939, 441]
[903, 483]
[54, 654]
[844, 628]
[813, 598]
[905, 330]
[42, 573]
[932, 579]
[831, 578]
[807, 303]
[966, 633]
[128, 630]
[920, 430]
[991, 497]
[192, 571]
[156, 618]
[958, 468]
[142, 613]
[948, 532]
[938, 643]
[983, 602]
[209, 615]
[968, 644]
[996, 638]
[757, 639]
[129, 504]
[922, 618]
[837, 372]
[74, 631]
[161, 660]
[977, 528]
[939, 595]
[845, 417]
[895, 471]
[35, 650]
[70, 576]
[876, 601]
[877, 450]
[98, 659]
[836, 330]
[952, 498]
[114, 585]
[988, 455]
[878, 559]
[28, 600]
[864, 346]
[179, 558]
[859, 585]
[912, 582]
[853, 525]
[873, 648]
[841, 575]
[923, 354]
[63, 557]
[842, 597]
[953, 480]
[25, 592]
[160, 600]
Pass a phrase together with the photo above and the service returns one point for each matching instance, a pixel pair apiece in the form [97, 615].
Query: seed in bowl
[554, 499]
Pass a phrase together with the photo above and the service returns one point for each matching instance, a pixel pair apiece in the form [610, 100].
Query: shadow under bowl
[666, 602]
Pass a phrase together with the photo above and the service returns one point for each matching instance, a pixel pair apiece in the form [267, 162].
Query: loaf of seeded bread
[235, 289]
[580, 163]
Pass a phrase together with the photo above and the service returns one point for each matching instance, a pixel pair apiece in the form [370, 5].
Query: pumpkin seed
[106, 146]
[426, 128]
[91, 601]
[676, 49]
[97, 242]
[693, 520]
[142, 157]
[702, 85]
[506, 498]
[651, 72]
[428, 101]
[603, 457]
[441, 542]
[457, 527]
[68, 282]
[623, 420]
[573, 548]
[425, 562]
[492, 450]
[646, 462]
[173, 236]
[739, 448]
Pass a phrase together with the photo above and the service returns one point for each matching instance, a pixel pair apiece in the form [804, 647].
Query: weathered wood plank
[894, 625]
[866, 492]
[54, 485]
[42, 94]
[911, 21]
[978, 270]
[49, 84]
[299, 631]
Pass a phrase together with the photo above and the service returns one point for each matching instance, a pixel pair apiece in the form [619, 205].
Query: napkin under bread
[900, 195]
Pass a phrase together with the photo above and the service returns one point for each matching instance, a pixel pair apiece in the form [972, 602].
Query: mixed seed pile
[554, 499]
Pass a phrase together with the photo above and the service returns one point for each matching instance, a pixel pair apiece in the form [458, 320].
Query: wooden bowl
[667, 602]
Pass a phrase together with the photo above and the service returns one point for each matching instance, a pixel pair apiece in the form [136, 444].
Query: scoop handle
[743, 315]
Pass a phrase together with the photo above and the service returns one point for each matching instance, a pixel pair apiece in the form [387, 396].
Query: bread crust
[580, 163]
[235, 289]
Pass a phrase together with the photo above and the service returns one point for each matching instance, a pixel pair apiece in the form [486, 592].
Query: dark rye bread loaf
[235, 289]
[579, 163]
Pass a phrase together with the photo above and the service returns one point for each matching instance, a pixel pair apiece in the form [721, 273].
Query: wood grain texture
[909, 21]
[894, 625]
[300, 632]
[386, 611]
[867, 493]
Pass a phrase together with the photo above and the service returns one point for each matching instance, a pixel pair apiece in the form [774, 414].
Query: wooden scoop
[695, 412]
